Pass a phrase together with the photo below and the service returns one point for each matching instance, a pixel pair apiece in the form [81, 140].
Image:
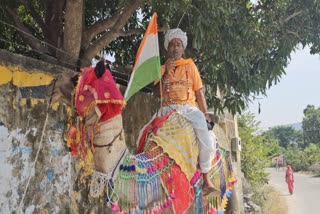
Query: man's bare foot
[208, 187]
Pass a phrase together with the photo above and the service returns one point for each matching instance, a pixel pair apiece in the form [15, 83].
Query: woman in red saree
[289, 178]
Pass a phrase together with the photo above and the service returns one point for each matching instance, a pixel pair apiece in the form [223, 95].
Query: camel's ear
[100, 69]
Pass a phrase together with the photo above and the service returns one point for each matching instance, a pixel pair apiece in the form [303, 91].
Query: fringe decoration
[139, 183]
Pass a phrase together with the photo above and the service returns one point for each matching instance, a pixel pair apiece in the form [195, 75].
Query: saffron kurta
[178, 92]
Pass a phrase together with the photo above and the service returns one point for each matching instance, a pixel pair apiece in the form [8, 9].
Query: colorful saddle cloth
[162, 173]
[176, 137]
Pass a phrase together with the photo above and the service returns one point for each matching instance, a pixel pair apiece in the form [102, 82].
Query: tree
[286, 136]
[254, 154]
[72, 31]
[297, 158]
[313, 153]
[311, 124]
[241, 47]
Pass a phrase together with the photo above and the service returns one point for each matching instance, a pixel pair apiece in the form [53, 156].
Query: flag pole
[161, 100]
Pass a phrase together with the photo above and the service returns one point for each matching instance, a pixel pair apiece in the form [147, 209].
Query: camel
[160, 177]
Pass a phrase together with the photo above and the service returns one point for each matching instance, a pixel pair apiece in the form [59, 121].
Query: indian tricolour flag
[147, 64]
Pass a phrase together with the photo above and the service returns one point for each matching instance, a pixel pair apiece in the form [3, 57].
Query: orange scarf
[182, 61]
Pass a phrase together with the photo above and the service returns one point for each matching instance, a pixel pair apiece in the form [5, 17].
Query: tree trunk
[53, 28]
[72, 31]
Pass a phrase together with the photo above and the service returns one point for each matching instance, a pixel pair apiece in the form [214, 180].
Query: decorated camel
[162, 176]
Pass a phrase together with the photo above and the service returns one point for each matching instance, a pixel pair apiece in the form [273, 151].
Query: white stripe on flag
[150, 49]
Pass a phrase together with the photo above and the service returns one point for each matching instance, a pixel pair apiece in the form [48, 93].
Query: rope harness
[108, 145]
[100, 180]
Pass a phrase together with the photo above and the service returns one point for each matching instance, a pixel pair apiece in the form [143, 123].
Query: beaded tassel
[115, 207]
[212, 210]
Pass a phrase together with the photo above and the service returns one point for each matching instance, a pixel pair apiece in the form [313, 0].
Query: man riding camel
[181, 87]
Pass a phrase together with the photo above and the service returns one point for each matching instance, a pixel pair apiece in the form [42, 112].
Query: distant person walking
[289, 179]
[277, 165]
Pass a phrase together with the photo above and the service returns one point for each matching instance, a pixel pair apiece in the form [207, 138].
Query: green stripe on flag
[146, 73]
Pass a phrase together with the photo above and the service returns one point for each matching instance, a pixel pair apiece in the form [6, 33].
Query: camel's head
[62, 88]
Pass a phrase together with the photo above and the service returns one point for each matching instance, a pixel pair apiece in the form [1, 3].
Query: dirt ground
[274, 203]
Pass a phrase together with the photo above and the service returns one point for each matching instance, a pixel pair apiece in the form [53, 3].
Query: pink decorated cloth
[102, 93]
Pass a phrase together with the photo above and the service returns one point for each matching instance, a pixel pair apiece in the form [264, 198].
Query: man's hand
[208, 118]
[170, 65]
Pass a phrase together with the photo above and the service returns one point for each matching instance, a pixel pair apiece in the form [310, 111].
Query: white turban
[176, 33]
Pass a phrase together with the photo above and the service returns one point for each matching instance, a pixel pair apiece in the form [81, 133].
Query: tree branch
[98, 45]
[295, 34]
[125, 15]
[26, 34]
[136, 31]
[110, 35]
[101, 25]
[292, 16]
[97, 28]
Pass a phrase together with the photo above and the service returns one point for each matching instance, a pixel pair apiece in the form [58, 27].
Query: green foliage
[239, 46]
[244, 48]
[301, 148]
[311, 125]
[297, 158]
[302, 159]
[255, 151]
[286, 136]
[273, 145]
[313, 153]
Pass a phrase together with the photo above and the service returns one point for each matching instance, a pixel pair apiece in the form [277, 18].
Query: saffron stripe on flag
[147, 63]
[151, 41]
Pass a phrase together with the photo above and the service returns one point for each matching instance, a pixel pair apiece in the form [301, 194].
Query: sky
[286, 101]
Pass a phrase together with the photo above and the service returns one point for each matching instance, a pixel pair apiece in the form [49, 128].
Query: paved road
[306, 196]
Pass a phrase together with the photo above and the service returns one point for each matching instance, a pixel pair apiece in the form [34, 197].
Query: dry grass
[274, 203]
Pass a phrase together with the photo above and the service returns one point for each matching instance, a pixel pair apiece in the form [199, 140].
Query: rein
[108, 145]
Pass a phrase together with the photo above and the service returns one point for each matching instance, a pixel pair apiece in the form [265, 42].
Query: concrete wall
[138, 111]
[228, 124]
[52, 183]
[34, 163]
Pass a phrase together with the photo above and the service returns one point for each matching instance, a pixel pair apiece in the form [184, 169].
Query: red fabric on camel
[101, 92]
